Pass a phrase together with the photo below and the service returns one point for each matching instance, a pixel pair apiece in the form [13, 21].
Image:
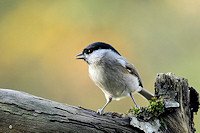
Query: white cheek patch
[96, 55]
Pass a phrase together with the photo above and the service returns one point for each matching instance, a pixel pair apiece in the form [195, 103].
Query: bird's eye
[89, 51]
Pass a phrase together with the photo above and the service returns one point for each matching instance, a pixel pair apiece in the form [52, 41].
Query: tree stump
[21, 112]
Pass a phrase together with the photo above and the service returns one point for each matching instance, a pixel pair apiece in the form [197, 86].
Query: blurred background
[40, 39]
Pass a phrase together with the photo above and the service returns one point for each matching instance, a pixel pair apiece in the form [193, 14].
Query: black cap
[98, 45]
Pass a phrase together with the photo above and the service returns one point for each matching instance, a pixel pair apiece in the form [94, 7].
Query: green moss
[154, 110]
[162, 122]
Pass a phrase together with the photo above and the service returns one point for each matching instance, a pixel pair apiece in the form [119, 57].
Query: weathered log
[22, 112]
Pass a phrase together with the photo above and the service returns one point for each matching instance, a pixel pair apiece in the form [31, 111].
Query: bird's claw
[99, 111]
[138, 107]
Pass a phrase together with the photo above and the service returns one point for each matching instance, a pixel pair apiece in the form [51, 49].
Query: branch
[22, 112]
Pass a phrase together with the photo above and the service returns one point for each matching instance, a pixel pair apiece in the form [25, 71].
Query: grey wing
[131, 69]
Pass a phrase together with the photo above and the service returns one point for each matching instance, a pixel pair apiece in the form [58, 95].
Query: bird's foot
[100, 111]
[139, 107]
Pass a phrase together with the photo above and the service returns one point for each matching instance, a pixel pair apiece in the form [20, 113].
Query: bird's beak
[82, 57]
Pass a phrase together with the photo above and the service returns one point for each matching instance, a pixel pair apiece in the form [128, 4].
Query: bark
[22, 112]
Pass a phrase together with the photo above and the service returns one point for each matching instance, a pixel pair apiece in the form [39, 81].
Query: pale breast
[111, 86]
[96, 74]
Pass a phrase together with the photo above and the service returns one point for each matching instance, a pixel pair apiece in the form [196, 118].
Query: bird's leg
[100, 111]
[131, 94]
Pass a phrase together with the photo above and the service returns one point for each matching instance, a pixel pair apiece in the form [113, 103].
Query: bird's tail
[145, 93]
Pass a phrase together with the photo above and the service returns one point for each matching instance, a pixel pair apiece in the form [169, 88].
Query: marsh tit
[112, 73]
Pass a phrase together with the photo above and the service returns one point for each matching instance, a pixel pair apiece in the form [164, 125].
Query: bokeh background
[39, 41]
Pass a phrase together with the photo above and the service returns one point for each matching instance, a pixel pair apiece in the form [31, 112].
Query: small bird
[112, 73]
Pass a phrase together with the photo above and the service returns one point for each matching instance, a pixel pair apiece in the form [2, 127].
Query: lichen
[154, 110]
